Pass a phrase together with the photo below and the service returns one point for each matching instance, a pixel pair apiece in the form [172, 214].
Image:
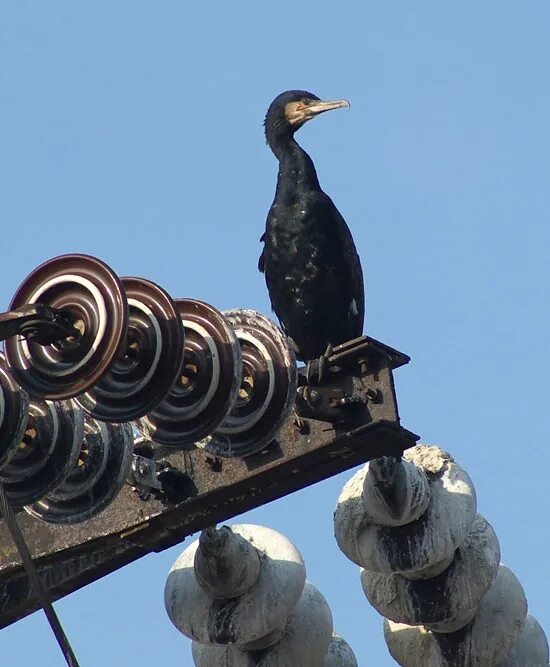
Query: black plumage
[311, 266]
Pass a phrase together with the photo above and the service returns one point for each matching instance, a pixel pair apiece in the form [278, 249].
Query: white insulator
[304, 642]
[486, 641]
[226, 565]
[420, 549]
[395, 492]
[254, 619]
[531, 649]
[212, 655]
[447, 602]
[339, 653]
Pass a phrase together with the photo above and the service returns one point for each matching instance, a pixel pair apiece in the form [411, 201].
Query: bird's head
[291, 109]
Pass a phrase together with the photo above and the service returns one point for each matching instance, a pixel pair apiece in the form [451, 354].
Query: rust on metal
[213, 490]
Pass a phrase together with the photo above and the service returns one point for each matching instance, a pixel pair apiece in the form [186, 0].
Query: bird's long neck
[296, 168]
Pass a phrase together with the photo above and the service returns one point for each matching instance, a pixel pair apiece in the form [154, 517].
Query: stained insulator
[253, 611]
[487, 640]
[92, 297]
[339, 653]
[448, 601]
[422, 547]
[531, 649]
[102, 465]
[47, 451]
[304, 641]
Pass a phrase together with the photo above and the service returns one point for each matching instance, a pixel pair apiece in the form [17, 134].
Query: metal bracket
[37, 322]
[364, 351]
[198, 490]
[351, 383]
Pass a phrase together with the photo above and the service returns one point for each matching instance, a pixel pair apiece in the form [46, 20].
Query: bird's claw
[316, 369]
[300, 423]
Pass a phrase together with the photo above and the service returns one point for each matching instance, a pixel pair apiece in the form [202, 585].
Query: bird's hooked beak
[298, 113]
[325, 105]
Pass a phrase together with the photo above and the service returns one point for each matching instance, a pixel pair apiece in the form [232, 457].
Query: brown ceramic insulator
[95, 479]
[208, 384]
[88, 290]
[149, 363]
[268, 387]
[46, 452]
[14, 409]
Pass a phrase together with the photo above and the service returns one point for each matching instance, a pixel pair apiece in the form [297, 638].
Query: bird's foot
[316, 369]
[300, 423]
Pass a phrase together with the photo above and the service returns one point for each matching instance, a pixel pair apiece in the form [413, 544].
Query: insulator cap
[419, 549]
[395, 491]
[226, 564]
[252, 620]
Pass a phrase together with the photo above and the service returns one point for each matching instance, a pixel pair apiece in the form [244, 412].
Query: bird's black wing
[261, 259]
[271, 220]
[353, 261]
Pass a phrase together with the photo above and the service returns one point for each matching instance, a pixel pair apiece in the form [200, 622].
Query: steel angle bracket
[323, 440]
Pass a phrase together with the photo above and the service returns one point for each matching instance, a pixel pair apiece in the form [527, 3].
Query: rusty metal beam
[69, 557]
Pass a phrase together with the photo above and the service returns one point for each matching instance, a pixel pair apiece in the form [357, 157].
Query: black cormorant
[311, 266]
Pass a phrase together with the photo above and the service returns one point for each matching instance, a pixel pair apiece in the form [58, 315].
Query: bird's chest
[298, 240]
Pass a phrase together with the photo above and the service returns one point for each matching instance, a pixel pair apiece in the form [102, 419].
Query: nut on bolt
[310, 395]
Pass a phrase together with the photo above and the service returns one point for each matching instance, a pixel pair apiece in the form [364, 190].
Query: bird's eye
[305, 100]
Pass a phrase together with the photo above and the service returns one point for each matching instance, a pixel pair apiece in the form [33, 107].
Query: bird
[311, 267]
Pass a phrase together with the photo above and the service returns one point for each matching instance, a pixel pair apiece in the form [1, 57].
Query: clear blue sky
[132, 131]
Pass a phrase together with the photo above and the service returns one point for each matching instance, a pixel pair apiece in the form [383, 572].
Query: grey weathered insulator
[252, 620]
[531, 649]
[226, 565]
[395, 491]
[339, 653]
[447, 602]
[304, 642]
[487, 640]
[422, 548]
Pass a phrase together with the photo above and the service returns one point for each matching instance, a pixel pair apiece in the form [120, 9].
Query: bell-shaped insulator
[448, 601]
[222, 596]
[531, 649]
[438, 514]
[339, 653]
[304, 641]
[487, 640]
